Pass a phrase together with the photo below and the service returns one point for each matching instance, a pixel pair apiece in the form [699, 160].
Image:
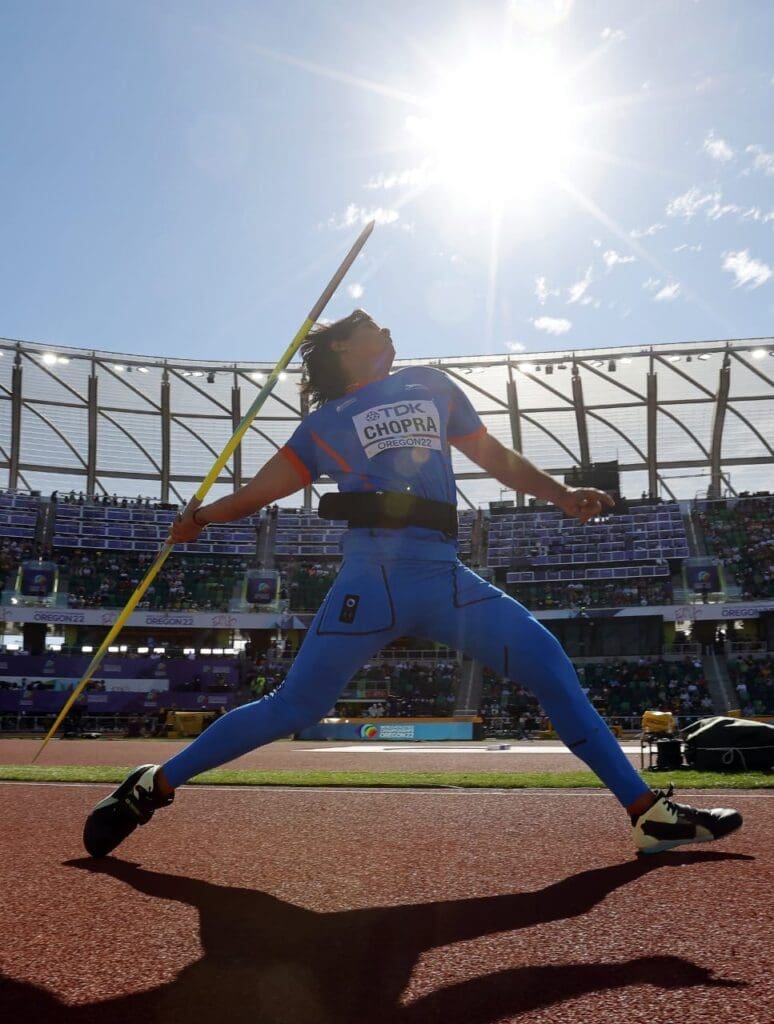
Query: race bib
[399, 425]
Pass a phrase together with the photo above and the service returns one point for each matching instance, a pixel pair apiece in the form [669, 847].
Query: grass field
[415, 780]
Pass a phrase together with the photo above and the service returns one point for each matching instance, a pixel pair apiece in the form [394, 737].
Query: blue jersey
[390, 435]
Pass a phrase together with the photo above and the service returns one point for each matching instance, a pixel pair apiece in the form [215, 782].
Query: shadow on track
[270, 962]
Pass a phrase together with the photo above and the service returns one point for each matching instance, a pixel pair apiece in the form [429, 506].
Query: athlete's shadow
[270, 962]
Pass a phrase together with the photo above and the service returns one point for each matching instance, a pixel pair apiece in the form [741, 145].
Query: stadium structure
[99, 450]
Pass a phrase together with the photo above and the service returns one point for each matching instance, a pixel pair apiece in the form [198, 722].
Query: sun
[499, 130]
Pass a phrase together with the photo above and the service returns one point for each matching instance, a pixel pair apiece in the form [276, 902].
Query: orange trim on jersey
[297, 464]
[338, 459]
[468, 437]
[340, 462]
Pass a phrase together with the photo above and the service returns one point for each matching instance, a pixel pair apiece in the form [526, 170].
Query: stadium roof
[681, 419]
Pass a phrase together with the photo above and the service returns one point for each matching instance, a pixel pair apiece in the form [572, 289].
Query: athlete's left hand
[585, 503]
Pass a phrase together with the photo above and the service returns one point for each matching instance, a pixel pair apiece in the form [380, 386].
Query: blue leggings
[372, 603]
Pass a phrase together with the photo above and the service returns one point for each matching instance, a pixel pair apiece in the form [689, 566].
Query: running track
[310, 907]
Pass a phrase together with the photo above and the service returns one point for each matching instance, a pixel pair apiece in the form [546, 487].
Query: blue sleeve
[301, 451]
[464, 421]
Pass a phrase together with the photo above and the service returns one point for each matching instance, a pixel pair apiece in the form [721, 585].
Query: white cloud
[542, 291]
[355, 214]
[552, 324]
[667, 293]
[747, 271]
[614, 35]
[645, 232]
[355, 290]
[694, 201]
[687, 248]
[762, 161]
[717, 148]
[398, 179]
[611, 258]
[515, 346]
[651, 284]
[576, 291]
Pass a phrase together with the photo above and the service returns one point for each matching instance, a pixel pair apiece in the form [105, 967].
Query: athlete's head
[343, 354]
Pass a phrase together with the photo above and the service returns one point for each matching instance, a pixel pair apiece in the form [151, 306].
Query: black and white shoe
[119, 814]
[668, 824]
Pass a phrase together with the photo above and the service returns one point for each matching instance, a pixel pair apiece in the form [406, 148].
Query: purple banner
[44, 702]
[173, 673]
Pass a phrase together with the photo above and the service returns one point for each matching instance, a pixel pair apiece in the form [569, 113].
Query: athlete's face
[368, 350]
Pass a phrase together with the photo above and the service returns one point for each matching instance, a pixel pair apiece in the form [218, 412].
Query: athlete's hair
[322, 377]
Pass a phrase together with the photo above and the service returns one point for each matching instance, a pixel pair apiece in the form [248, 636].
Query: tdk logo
[402, 409]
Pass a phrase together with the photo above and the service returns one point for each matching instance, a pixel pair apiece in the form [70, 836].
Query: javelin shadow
[270, 962]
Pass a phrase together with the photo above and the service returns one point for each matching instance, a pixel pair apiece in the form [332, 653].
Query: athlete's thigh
[477, 618]
[357, 618]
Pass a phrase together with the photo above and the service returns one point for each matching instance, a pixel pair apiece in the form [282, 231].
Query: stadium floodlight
[283, 376]
[704, 355]
[49, 358]
[674, 359]
[257, 375]
[123, 648]
[229, 650]
[526, 367]
[63, 360]
[86, 649]
[205, 650]
[112, 650]
[119, 367]
[217, 650]
[142, 650]
[215, 471]
[142, 369]
[159, 650]
[759, 353]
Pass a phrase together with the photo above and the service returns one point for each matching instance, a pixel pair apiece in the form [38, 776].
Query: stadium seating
[753, 680]
[741, 534]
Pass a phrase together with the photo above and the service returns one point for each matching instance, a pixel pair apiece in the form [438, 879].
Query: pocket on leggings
[469, 588]
[359, 604]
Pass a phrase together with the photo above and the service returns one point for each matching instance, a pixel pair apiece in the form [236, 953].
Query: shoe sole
[110, 822]
[671, 844]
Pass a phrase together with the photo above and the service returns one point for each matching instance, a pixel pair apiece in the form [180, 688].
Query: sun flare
[498, 130]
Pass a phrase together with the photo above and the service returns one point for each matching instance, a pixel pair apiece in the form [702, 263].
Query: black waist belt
[389, 510]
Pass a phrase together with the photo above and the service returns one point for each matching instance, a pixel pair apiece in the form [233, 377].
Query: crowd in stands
[753, 680]
[109, 500]
[306, 584]
[742, 536]
[592, 594]
[620, 690]
[12, 553]
[628, 688]
[106, 579]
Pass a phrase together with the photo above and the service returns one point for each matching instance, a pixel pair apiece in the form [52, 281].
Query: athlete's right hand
[183, 528]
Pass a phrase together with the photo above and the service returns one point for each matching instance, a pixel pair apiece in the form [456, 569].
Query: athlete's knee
[296, 711]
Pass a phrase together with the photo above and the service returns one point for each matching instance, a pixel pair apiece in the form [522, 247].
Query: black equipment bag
[729, 744]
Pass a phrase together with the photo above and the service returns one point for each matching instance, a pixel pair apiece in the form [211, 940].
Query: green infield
[683, 778]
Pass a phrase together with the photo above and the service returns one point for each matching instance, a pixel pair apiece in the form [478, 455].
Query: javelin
[213, 474]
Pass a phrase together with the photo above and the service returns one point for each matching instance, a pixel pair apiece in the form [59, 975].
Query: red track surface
[320, 906]
[288, 756]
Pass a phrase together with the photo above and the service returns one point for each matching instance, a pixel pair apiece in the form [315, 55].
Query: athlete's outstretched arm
[276, 479]
[519, 474]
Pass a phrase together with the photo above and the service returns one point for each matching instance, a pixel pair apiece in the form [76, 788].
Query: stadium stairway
[467, 699]
[718, 682]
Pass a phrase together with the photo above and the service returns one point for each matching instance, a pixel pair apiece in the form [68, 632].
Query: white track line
[388, 790]
[369, 748]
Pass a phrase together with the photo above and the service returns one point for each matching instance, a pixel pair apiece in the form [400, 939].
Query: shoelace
[672, 805]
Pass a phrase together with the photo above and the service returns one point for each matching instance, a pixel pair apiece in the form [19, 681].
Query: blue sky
[181, 178]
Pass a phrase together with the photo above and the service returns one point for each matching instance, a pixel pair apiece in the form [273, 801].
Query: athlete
[385, 439]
